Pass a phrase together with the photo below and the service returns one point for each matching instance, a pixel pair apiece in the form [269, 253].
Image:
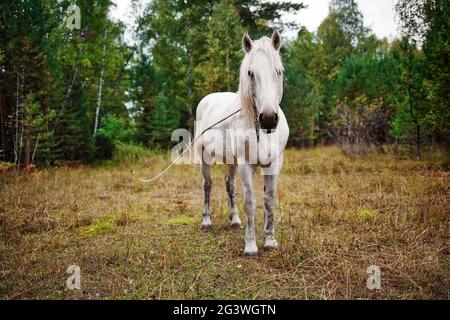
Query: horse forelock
[262, 47]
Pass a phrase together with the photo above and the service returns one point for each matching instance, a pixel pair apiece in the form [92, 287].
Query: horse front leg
[246, 173]
[207, 184]
[230, 184]
[271, 175]
[270, 183]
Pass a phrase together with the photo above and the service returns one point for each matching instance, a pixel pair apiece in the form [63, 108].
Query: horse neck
[247, 111]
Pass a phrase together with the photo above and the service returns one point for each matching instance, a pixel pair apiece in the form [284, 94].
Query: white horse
[259, 131]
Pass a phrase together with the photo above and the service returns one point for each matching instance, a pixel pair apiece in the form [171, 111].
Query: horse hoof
[236, 226]
[270, 244]
[251, 254]
[206, 227]
[251, 250]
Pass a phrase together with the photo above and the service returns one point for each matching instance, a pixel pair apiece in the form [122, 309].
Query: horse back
[215, 105]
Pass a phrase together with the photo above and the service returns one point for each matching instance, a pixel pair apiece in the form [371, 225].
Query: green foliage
[411, 111]
[117, 129]
[426, 23]
[350, 20]
[257, 16]
[302, 100]
[165, 119]
[219, 69]
[124, 152]
[437, 53]
[56, 83]
[35, 123]
[59, 69]
[114, 130]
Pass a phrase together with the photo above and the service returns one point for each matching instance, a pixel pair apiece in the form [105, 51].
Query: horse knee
[269, 200]
[229, 180]
[269, 194]
[249, 203]
[228, 183]
[207, 183]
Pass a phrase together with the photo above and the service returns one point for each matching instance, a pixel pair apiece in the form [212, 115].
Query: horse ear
[247, 43]
[276, 40]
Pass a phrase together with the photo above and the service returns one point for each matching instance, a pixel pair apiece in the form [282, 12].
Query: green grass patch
[98, 227]
[415, 191]
[183, 221]
[365, 214]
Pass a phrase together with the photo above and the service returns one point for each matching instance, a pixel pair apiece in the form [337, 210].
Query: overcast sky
[379, 15]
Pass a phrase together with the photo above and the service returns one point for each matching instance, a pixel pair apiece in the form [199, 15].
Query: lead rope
[191, 144]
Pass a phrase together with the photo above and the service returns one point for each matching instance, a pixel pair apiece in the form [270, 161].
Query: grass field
[335, 218]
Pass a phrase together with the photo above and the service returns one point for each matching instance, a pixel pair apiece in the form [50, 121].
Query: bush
[359, 127]
[114, 131]
[129, 152]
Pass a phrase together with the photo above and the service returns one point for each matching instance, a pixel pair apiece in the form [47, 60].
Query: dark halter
[255, 119]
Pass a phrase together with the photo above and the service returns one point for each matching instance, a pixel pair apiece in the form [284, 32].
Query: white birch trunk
[100, 88]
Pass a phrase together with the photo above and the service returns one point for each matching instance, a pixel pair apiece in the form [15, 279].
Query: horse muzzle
[268, 121]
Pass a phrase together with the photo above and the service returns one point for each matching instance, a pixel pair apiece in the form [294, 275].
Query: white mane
[262, 46]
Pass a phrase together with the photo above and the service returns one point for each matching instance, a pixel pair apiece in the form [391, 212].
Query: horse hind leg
[230, 187]
[207, 184]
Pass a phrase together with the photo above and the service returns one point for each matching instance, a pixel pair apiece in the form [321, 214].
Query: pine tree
[301, 101]
[219, 67]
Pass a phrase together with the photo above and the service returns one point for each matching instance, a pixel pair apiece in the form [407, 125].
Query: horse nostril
[268, 120]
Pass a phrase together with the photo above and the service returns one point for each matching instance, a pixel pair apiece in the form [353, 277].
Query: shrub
[129, 152]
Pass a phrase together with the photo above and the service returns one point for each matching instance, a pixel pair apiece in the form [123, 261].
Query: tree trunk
[228, 71]
[416, 122]
[100, 88]
[69, 89]
[35, 147]
[26, 151]
[189, 86]
[227, 55]
[99, 101]
[2, 124]
[417, 141]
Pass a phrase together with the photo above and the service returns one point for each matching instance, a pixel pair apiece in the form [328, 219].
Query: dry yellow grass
[335, 218]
